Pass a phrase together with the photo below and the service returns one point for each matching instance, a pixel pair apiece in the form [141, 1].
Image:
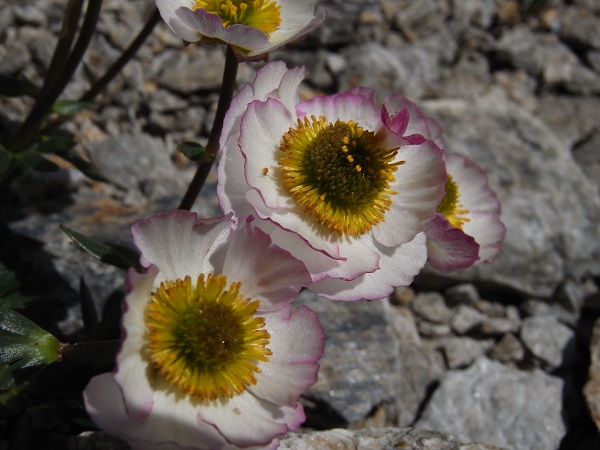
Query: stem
[212, 147]
[113, 70]
[96, 352]
[27, 131]
[57, 64]
[101, 83]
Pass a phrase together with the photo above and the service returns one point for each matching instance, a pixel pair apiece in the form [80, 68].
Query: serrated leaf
[24, 348]
[70, 107]
[17, 86]
[118, 256]
[192, 150]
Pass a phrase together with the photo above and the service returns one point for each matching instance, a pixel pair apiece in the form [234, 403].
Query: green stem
[212, 147]
[28, 130]
[95, 352]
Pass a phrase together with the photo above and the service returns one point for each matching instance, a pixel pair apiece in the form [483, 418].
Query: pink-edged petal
[398, 267]
[178, 243]
[294, 25]
[167, 10]
[449, 248]
[328, 255]
[346, 106]
[489, 231]
[262, 128]
[269, 273]
[420, 188]
[246, 420]
[419, 125]
[296, 221]
[174, 427]
[131, 373]
[211, 25]
[297, 342]
[472, 181]
[272, 80]
[391, 134]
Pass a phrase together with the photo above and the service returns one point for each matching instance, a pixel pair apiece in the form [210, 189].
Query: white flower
[343, 184]
[467, 229]
[212, 356]
[251, 27]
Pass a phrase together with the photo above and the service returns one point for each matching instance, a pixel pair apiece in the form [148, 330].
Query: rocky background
[500, 356]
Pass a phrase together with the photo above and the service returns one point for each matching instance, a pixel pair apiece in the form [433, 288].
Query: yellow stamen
[262, 14]
[451, 207]
[205, 339]
[338, 173]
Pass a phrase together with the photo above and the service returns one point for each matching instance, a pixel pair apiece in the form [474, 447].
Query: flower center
[205, 338]
[338, 173]
[451, 207]
[261, 14]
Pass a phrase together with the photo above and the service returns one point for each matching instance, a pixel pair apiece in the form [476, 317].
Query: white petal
[475, 193]
[167, 10]
[398, 267]
[246, 420]
[172, 424]
[131, 372]
[420, 188]
[297, 342]
[266, 271]
[488, 231]
[346, 106]
[262, 129]
[179, 245]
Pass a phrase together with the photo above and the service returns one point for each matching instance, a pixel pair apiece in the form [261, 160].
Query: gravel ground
[498, 356]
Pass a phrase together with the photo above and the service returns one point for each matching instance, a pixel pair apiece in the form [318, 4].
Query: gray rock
[465, 318]
[492, 403]
[545, 56]
[432, 307]
[376, 439]
[407, 70]
[403, 322]
[551, 233]
[579, 25]
[463, 293]
[591, 389]
[508, 321]
[360, 368]
[549, 340]
[508, 350]
[420, 368]
[462, 351]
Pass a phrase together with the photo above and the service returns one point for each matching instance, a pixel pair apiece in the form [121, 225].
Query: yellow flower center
[261, 14]
[205, 338]
[451, 206]
[338, 173]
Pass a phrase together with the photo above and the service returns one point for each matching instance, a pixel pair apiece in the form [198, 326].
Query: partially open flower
[467, 229]
[251, 27]
[213, 356]
[337, 180]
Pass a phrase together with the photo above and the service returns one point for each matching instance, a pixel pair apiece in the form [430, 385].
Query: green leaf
[24, 348]
[192, 150]
[17, 86]
[70, 107]
[58, 143]
[115, 255]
